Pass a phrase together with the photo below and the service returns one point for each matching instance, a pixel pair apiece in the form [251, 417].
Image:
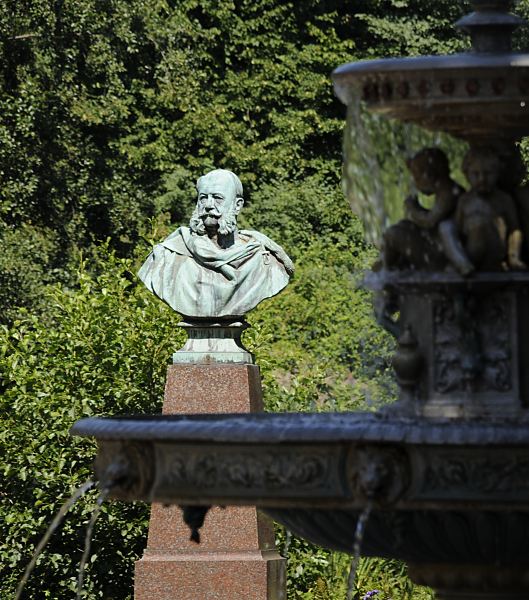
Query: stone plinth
[236, 557]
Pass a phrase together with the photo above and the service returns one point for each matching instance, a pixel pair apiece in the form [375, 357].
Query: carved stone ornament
[407, 360]
[234, 471]
[472, 343]
[501, 476]
[126, 468]
[378, 475]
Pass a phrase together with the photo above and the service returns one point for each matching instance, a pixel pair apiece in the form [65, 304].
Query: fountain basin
[440, 490]
[339, 460]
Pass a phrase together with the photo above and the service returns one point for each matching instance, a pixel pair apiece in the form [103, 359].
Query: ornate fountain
[445, 469]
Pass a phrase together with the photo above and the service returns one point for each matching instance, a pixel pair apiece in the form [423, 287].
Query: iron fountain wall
[446, 468]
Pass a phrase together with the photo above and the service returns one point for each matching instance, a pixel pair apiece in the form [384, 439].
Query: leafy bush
[102, 350]
[317, 574]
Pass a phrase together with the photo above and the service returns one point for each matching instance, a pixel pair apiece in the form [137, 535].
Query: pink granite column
[236, 558]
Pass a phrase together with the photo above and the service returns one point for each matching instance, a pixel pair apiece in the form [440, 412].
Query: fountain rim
[503, 68]
[278, 428]
[433, 64]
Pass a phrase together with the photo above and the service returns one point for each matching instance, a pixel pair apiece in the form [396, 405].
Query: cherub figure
[486, 217]
[431, 173]
[427, 238]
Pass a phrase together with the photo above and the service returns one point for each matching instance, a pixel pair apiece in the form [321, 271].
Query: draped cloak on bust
[198, 279]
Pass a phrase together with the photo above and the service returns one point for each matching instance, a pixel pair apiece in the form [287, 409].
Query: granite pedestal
[236, 558]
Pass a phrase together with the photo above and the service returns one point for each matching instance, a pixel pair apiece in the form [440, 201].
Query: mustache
[227, 223]
[212, 213]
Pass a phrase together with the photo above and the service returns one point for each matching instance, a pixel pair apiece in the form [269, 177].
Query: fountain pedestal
[236, 557]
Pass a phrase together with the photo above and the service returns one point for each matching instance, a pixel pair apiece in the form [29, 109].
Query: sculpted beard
[227, 222]
[196, 224]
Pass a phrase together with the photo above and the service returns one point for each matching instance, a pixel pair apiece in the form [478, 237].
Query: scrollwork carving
[495, 475]
[472, 343]
[244, 470]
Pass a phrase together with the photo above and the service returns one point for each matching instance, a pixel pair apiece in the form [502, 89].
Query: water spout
[79, 493]
[357, 547]
[288, 542]
[88, 540]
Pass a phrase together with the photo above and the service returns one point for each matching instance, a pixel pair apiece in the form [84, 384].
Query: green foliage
[411, 27]
[323, 350]
[390, 578]
[102, 350]
[24, 266]
[103, 103]
[317, 341]
[317, 574]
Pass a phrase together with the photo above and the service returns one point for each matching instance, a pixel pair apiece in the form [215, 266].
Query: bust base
[213, 341]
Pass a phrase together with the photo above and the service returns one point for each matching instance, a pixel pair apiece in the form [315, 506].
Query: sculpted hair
[196, 224]
[481, 154]
[432, 160]
[236, 181]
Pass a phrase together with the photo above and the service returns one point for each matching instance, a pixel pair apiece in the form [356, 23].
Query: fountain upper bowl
[469, 95]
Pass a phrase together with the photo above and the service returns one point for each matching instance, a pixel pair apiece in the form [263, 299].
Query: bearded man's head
[219, 201]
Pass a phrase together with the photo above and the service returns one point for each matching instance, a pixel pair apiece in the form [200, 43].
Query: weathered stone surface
[235, 529]
[212, 388]
[236, 557]
[213, 576]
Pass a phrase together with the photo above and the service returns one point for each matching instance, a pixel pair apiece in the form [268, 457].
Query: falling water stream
[79, 493]
[357, 547]
[88, 540]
